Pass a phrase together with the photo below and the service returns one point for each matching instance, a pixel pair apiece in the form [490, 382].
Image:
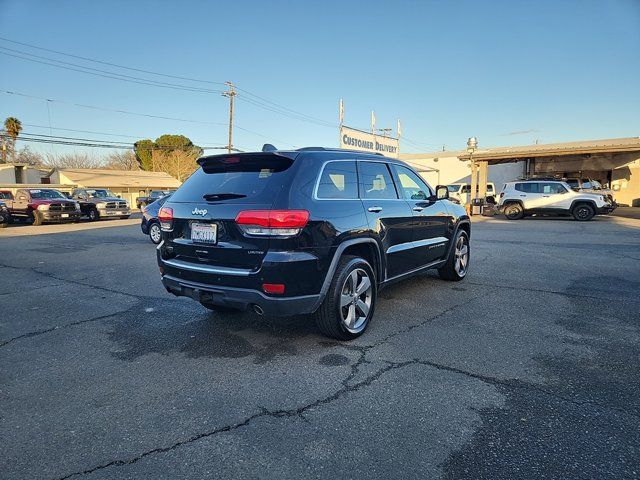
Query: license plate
[204, 232]
[65, 215]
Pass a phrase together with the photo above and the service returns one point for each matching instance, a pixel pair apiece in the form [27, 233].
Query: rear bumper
[240, 298]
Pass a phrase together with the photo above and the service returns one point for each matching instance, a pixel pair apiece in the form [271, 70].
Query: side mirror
[442, 192]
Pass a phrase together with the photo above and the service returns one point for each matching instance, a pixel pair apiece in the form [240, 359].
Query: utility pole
[231, 93]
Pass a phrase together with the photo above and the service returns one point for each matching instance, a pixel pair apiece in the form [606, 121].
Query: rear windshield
[245, 178]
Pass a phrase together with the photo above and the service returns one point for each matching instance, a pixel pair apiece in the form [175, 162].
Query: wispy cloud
[519, 132]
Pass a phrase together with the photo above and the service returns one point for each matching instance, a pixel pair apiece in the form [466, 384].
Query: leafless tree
[122, 160]
[73, 160]
[28, 156]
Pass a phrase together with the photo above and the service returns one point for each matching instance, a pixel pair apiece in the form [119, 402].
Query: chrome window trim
[387, 161]
[317, 185]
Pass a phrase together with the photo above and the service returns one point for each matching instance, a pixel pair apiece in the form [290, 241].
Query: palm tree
[13, 127]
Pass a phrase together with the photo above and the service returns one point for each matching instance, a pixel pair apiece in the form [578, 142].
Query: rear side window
[529, 187]
[375, 181]
[243, 178]
[338, 180]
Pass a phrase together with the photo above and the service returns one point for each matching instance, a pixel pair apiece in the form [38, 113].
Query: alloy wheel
[355, 300]
[461, 256]
[154, 233]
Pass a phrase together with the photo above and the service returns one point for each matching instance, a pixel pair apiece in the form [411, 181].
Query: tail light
[277, 223]
[165, 217]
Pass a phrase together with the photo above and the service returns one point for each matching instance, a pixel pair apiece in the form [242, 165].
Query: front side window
[375, 181]
[411, 185]
[552, 188]
[338, 180]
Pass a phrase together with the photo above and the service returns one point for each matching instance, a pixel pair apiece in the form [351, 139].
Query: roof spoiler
[267, 147]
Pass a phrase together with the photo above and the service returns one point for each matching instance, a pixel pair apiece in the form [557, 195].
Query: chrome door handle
[418, 209]
[375, 209]
[523, 195]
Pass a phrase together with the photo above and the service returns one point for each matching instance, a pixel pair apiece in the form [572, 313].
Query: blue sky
[555, 70]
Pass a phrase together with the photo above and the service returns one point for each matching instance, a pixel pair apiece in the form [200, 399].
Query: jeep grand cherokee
[309, 231]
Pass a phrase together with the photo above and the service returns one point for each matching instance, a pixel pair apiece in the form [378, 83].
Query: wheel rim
[513, 211]
[461, 256]
[355, 300]
[583, 212]
[154, 233]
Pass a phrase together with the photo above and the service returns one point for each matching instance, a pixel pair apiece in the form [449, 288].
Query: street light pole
[472, 145]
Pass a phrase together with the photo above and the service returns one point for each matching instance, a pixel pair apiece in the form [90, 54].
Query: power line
[110, 64]
[104, 73]
[93, 107]
[252, 98]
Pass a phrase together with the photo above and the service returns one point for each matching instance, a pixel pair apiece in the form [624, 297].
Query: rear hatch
[206, 205]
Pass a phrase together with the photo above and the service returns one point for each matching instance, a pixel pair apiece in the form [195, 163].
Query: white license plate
[204, 232]
[65, 215]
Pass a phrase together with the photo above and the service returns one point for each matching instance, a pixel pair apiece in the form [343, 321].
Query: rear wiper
[222, 196]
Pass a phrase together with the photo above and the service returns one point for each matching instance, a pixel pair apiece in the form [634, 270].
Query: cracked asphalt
[526, 369]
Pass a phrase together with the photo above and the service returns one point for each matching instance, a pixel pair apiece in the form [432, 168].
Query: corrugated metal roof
[94, 177]
[611, 145]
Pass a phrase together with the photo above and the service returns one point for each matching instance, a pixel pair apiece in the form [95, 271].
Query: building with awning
[614, 162]
[129, 184]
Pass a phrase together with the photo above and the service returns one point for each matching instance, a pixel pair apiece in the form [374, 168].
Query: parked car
[40, 205]
[150, 224]
[590, 185]
[5, 216]
[153, 196]
[6, 195]
[528, 197]
[308, 231]
[97, 203]
[459, 192]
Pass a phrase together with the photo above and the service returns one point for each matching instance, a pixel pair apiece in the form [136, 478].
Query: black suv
[308, 231]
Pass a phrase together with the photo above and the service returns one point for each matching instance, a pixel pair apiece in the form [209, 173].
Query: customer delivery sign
[353, 139]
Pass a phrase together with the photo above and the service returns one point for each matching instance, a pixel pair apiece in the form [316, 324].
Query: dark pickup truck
[153, 196]
[41, 205]
[97, 203]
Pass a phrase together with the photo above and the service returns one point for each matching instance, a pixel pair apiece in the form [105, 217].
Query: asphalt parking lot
[526, 369]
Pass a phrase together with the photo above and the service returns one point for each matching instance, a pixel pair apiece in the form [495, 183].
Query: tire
[457, 265]
[219, 308]
[35, 218]
[583, 212]
[4, 224]
[513, 211]
[93, 215]
[155, 234]
[344, 314]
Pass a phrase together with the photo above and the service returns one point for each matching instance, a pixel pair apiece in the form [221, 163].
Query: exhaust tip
[258, 309]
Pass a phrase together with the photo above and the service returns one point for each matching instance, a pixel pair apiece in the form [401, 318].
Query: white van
[460, 191]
